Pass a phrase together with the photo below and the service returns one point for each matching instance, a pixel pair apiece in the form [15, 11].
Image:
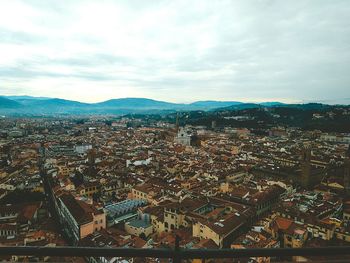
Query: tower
[347, 172]
[305, 166]
[91, 154]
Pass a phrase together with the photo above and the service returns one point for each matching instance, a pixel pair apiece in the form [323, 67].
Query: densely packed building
[102, 183]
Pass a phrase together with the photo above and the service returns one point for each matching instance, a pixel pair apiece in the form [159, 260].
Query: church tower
[91, 155]
[347, 172]
[306, 166]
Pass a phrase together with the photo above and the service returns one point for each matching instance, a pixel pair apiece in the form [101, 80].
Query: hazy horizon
[177, 51]
[192, 101]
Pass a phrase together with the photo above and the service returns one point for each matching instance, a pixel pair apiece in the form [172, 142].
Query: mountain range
[29, 105]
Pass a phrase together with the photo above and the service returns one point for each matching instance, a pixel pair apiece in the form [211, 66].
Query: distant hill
[309, 106]
[127, 103]
[42, 105]
[272, 103]
[6, 103]
[240, 106]
[214, 104]
[31, 105]
[57, 103]
[130, 103]
[25, 99]
[306, 106]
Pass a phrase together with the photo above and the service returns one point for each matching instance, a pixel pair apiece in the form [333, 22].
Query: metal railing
[176, 254]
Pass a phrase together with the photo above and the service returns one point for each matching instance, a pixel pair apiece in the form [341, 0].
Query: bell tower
[306, 166]
[91, 155]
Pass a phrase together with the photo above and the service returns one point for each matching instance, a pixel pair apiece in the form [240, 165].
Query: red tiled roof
[283, 223]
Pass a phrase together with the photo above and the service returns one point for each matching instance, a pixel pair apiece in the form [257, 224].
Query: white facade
[335, 138]
[183, 137]
[83, 148]
[138, 162]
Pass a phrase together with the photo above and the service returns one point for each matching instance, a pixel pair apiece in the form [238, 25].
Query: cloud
[176, 50]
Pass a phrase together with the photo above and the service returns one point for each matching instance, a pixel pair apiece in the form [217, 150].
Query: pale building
[139, 227]
[183, 137]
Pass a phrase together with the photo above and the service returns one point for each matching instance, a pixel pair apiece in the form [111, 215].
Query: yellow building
[222, 230]
[342, 234]
[138, 227]
[88, 189]
[146, 192]
[173, 218]
[290, 234]
[346, 210]
[157, 224]
[205, 232]
[39, 189]
[156, 215]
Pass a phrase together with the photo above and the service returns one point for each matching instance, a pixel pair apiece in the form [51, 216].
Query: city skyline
[293, 52]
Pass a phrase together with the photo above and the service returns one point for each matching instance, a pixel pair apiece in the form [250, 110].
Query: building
[289, 233]
[123, 211]
[183, 137]
[222, 230]
[306, 167]
[88, 189]
[8, 231]
[139, 227]
[278, 132]
[82, 148]
[337, 138]
[81, 219]
[18, 218]
[146, 192]
[347, 172]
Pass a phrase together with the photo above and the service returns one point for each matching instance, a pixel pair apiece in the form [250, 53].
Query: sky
[177, 51]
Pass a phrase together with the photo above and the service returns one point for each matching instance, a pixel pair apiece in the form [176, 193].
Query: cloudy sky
[180, 51]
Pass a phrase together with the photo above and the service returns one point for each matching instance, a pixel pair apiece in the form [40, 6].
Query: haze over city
[176, 51]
